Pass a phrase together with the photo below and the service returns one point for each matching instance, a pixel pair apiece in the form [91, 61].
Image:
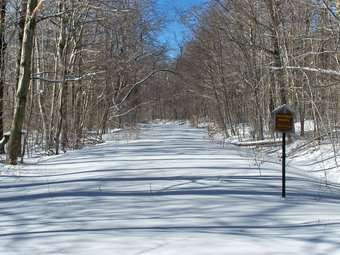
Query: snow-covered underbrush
[318, 157]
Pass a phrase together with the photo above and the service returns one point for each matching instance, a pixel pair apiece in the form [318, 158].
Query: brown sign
[284, 122]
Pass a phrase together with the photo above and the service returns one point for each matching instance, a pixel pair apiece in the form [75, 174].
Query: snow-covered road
[171, 191]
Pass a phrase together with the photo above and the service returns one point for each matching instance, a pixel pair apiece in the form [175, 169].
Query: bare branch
[335, 84]
[330, 10]
[134, 86]
[308, 69]
[66, 80]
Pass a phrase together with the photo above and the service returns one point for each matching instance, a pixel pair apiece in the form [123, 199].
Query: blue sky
[181, 4]
[175, 32]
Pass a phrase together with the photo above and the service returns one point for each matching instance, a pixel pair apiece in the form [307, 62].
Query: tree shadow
[164, 187]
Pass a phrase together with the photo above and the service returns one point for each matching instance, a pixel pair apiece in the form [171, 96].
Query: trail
[169, 191]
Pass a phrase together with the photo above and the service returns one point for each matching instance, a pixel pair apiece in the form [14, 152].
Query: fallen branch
[258, 143]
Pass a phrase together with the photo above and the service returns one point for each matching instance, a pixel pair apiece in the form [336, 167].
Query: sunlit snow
[169, 190]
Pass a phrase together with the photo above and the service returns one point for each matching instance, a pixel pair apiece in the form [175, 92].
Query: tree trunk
[14, 145]
[41, 101]
[3, 47]
[62, 47]
[273, 7]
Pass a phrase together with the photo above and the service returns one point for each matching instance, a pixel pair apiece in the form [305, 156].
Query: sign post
[283, 165]
[284, 123]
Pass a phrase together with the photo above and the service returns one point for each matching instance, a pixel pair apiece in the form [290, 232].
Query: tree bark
[40, 90]
[3, 46]
[273, 7]
[14, 145]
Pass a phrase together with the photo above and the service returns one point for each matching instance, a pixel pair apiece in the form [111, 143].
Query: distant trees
[247, 57]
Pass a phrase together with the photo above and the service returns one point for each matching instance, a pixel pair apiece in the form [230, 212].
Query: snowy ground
[170, 191]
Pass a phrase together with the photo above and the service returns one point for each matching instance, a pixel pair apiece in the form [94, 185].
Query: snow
[167, 190]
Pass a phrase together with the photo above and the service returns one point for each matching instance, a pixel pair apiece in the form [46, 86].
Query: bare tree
[3, 46]
[270, 52]
[23, 82]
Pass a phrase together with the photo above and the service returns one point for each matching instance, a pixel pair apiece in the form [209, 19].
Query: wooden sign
[283, 119]
[284, 122]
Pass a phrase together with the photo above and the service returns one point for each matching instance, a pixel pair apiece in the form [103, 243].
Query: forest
[72, 70]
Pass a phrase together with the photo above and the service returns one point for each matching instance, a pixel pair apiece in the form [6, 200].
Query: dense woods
[71, 70]
[247, 57]
[90, 62]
